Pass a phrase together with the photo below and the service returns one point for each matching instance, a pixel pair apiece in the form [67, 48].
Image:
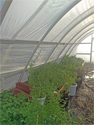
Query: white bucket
[41, 100]
[73, 90]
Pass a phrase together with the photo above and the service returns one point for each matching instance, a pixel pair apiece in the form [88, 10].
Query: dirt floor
[83, 101]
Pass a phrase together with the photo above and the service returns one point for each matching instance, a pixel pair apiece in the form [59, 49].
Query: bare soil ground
[83, 101]
[84, 104]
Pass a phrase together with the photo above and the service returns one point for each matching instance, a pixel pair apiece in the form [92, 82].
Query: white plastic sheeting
[72, 50]
[14, 56]
[44, 19]
[18, 14]
[73, 15]
[93, 57]
[65, 50]
[93, 46]
[55, 54]
[77, 29]
[42, 54]
[84, 31]
[2, 3]
[78, 41]
[42, 31]
[87, 40]
[7, 83]
[85, 49]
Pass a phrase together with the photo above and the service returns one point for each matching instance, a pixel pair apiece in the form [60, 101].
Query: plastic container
[55, 93]
[73, 90]
[40, 100]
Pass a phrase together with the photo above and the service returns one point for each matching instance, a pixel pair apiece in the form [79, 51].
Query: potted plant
[73, 86]
[38, 93]
[64, 94]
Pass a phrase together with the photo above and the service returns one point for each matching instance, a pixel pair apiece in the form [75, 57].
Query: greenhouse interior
[46, 62]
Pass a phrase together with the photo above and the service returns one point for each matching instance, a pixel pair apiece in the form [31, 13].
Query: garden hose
[88, 85]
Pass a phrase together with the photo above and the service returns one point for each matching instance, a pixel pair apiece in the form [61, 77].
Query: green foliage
[52, 76]
[71, 65]
[22, 111]
[67, 60]
[45, 80]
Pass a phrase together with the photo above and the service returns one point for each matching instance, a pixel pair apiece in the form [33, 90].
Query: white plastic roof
[41, 31]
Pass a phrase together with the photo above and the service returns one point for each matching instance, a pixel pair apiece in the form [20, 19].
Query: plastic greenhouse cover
[73, 52]
[87, 40]
[93, 46]
[84, 48]
[18, 14]
[56, 52]
[75, 22]
[81, 26]
[67, 19]
[85, 35]
[14, 56]
[93, 57]
[64, 51]
[44, 19]
[71, 49]
[82, 35]
[1, 4]
[78, 20]
[8, 83]
[34, 24]
[79, 41]
[90, 28]
[42, 54]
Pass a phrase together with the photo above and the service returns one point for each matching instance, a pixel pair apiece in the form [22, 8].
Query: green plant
[71, 65]
[38, 91]
[52, 76]
[44, 81]
[23, 111]
[67, 60]
[47, 78]
[10, 107]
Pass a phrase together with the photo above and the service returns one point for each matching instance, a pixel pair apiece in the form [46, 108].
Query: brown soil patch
[83, 102]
